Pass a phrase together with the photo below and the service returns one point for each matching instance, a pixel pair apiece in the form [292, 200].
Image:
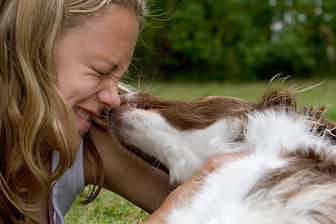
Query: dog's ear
[277, 99]
[320, 125]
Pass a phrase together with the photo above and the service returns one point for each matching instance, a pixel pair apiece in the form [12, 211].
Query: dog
[287, 174]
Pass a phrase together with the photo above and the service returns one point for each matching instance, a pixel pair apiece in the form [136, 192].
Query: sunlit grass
[109, 208]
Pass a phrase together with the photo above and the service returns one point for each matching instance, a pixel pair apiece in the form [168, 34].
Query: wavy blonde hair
[34, 118]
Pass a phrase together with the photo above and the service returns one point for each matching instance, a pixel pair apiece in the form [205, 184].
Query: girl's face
[91, 58]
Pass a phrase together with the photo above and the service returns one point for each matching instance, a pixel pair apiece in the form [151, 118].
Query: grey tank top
[66, 188]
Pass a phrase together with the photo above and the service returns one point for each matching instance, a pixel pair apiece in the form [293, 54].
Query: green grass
[110, 208]
[107, 208]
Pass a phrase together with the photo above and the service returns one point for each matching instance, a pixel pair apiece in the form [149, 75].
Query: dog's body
[288, 173]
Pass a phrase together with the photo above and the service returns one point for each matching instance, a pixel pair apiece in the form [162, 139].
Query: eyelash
[104, 74]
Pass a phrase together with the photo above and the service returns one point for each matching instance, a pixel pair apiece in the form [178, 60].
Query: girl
[60, 65]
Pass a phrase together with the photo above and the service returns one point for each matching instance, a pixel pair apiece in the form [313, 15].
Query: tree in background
[238, 39]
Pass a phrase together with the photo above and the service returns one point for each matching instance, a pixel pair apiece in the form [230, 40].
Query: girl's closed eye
[111, 75]
[104, 73]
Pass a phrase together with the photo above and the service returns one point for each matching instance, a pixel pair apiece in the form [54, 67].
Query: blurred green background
[237, 40]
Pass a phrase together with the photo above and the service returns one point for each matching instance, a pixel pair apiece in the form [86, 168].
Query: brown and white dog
[288, 173]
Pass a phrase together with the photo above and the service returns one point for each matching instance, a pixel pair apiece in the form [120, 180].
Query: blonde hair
[34, 118]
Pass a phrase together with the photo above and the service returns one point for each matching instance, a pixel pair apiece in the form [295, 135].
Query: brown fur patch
[303, 174]
[196, 114]
[303, 170]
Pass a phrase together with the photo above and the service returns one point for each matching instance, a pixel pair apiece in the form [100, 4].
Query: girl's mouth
[83, 119]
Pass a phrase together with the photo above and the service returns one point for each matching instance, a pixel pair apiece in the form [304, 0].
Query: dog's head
[180, 134]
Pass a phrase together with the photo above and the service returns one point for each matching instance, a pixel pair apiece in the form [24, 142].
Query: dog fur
[288, 171]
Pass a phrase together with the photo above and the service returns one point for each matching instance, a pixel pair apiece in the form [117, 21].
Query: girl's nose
[109, 97]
